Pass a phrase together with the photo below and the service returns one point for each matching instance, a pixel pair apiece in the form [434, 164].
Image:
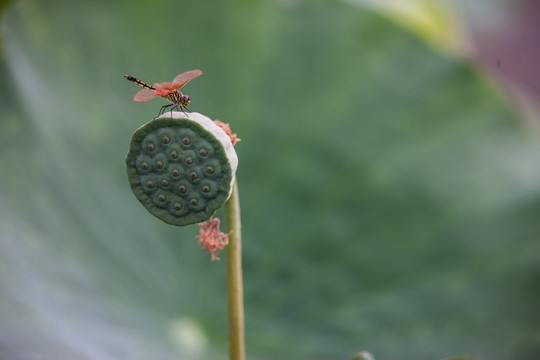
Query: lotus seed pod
[181, 167]
[363, 355]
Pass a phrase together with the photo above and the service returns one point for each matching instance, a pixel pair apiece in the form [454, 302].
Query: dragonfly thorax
[178, 98]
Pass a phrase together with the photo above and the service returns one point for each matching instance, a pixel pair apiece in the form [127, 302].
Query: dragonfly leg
[163, 108]
[181, 108]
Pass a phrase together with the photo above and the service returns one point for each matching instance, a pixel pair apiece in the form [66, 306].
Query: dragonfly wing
[185, 77]
[144, 95]
[162, 92]
[163, 85]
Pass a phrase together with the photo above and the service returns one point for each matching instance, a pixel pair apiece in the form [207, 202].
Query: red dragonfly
[168, 90]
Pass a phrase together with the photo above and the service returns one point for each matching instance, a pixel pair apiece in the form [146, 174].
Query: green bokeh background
[390, 195]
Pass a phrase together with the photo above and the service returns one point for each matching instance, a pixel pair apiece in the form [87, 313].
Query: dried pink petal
[234, 138]
[211, 239]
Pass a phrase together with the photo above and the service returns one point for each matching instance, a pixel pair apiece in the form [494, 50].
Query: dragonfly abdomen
[139, 82]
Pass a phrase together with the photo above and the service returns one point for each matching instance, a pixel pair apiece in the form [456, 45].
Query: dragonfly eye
[186, 100]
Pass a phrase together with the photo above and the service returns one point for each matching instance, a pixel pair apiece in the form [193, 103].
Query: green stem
[235, 288]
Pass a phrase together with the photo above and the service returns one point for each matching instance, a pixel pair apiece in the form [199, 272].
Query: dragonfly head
[185, 100]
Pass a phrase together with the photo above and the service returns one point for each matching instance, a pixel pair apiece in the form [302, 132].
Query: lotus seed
[166, 139]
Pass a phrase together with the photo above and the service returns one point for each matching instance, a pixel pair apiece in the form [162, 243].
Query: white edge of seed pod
[209, 125]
